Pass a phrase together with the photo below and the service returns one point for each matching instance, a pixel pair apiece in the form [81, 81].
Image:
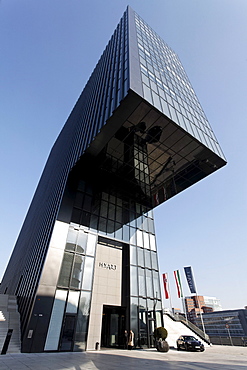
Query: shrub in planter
[160, 335]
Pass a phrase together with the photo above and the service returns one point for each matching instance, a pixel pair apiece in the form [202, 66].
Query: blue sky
[49, 49]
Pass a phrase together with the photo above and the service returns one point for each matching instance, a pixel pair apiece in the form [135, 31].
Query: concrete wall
[106, 289]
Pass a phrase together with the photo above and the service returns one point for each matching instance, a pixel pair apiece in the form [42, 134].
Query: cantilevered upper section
[155, 134]
[162, 81]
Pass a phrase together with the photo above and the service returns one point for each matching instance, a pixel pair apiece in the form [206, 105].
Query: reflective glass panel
[134, 314]
[147, 255]
[139, 238]
[149, 281]
[156, 284]
[77, 271]
[152, 242]
[133, 280]
[142, 283]
[56, 321]
[132, 236]
[91, 243]
[82, 322]
[64, 277]
[88, 273]
[72, 303]
[154, 260]
[133, 255]
[71, 239]
[81, 242]
[140, 256]
[146, 240]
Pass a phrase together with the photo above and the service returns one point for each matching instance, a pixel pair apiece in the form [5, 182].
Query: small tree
[160, 335]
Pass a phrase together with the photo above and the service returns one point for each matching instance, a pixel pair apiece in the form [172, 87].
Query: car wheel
[202, 349]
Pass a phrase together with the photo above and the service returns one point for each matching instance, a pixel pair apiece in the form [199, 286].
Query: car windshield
[187, 337]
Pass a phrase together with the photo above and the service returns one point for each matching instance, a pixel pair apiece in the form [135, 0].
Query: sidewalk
[216, 357]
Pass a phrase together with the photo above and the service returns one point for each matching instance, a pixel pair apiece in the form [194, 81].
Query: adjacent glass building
[228, 327]
[85, 265]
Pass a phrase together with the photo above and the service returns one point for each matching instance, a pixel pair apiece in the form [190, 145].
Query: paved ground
[216, 357]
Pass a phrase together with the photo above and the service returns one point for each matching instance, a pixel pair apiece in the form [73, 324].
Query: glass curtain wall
[104, 214]
[167, 87]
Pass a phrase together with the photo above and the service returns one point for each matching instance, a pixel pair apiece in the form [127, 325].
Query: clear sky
[49, 49]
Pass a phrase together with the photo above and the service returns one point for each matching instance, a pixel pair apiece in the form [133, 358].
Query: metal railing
[191, 326]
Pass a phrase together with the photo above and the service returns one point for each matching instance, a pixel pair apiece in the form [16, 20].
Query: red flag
[165, 281]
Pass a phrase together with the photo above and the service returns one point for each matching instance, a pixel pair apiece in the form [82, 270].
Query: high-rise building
[198, 304]
[85, 268]
[212, 302]
[193, 307]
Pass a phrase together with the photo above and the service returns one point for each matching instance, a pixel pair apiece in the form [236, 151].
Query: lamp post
[228, 321]
[155, 303]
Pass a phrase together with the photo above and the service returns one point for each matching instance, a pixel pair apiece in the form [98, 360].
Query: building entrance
[67, 342]
[113, 326]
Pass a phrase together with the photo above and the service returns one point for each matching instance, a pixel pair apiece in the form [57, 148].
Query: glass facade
[226, 327]
[104, 215]
[85, 265]
[167, 87]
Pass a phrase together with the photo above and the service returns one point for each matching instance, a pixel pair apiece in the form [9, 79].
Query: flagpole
[183, 301]
[200, 313]
[195, 287]
[200, 309]
[184, 308]
[181, 293]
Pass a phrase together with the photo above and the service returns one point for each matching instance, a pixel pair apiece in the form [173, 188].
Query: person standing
[131, 340]
[125, 339]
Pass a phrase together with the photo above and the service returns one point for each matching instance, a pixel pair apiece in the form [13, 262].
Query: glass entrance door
[113, 326]
[67, 337]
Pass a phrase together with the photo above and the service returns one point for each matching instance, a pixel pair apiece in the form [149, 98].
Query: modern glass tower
[85, 266]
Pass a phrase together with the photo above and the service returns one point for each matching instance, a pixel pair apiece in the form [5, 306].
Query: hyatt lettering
[107, 266]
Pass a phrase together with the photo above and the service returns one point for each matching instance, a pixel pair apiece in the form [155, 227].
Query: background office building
[227, 327]
[85, 265]
[198, 304]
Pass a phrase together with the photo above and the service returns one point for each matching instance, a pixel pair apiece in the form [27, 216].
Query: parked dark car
[189, 343]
